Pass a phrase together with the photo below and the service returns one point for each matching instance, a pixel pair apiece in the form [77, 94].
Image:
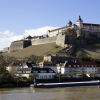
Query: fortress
[93, 28]
[82, 33]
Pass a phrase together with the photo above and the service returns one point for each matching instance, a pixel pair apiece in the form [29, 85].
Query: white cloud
[38, 31]
[6, 37]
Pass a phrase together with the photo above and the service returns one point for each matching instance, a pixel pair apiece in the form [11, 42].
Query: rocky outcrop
[66, 52]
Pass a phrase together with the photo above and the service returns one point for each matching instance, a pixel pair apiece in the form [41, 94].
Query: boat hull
[67, 84]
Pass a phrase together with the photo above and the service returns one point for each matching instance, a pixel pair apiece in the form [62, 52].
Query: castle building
[84, 33]
[94, 28]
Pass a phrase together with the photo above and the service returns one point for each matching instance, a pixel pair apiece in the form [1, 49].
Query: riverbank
[14, 85]
[56, 80]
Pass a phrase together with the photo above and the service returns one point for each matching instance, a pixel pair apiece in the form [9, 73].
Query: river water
[68, 93]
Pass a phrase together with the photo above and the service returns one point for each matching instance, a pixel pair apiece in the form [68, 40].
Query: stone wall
[52, 33]
[5, 49]
[55, 32]
[61, 40]
[17, 45]
[64, 40]
[44, 41]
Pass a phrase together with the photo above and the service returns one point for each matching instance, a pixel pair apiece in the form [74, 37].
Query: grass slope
[51, 48]
[38, 50]
[92, 50]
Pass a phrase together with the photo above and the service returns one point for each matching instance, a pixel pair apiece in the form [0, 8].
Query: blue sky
[18, 17]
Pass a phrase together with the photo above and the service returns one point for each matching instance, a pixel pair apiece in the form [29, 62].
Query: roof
[87, 63]
[58, 28]
[69, 23]
[44, 63]
[91, 24]
[80, 19]
[24, 69]
[30, 64]
[81, 64]
[15, 64]
[42, 70]
[29, 37]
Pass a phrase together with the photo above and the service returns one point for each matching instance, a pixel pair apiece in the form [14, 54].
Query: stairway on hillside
[66, 51]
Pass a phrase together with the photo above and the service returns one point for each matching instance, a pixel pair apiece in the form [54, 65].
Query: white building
[19, 70]
[48, 65]
[23, 72]
[43, 73]
[77, 69]
[12, 68]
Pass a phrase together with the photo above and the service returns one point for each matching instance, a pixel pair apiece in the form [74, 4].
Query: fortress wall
[5, 49]
[44, 41]
[61, 40]
[53, 33]
[17, 45]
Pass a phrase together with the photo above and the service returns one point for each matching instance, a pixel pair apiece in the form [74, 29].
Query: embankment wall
[44, 41]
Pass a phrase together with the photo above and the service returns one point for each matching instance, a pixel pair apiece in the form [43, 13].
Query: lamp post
[59, 72]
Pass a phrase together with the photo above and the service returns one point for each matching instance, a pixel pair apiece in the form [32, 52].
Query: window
[50, 71]
[42, 77]
[35, 71]
[50, 76]
[27, 71]
[92, 65]
[74, 65]
[45, 76]
[43, 71]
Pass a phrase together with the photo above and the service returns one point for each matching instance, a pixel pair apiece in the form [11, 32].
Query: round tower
[79, 23]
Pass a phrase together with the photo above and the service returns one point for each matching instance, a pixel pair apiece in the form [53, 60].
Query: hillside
[92, 50]
[38, 50]
[51, 48]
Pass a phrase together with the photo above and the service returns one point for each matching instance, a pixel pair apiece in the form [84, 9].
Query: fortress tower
[79, 23]
[69, 23]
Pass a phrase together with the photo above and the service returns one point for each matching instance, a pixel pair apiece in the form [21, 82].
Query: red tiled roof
[87, 63]
[47, 63]
[15, 64]
[82, 64]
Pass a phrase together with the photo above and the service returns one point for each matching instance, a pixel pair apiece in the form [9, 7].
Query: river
[68, 93]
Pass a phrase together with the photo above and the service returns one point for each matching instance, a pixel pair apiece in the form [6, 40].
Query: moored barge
[66, 84]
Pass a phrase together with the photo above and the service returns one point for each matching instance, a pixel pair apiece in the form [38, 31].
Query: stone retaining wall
[44, 41]
[17, 45]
